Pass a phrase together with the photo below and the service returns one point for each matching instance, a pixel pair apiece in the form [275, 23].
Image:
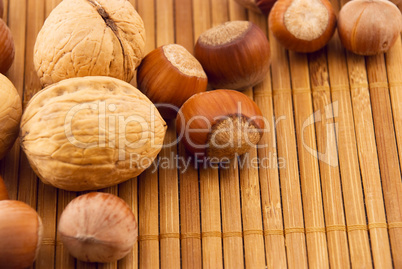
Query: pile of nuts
[83, 129]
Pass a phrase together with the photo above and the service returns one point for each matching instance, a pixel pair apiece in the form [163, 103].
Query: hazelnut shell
[98, 227]
[21, 234]
[289, 40]
[169, 75]
[369, 27]
[234, 55]
[199, 119]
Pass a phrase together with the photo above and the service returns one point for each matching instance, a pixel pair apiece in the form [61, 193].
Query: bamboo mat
[326, 193]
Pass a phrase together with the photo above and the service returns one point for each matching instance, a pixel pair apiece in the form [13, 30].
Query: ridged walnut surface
[10, 114]
[90, 133]
[88, 37]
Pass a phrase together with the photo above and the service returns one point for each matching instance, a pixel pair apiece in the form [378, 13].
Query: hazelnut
[169, 75]
[98, 227]
[21, 234]
[235, 55]
[259, 6]
[10, 115]
[219, 124]
[89, 38]
[3, 190]
[369, 27]
[7, 50]
[302, 25]
[90, 133]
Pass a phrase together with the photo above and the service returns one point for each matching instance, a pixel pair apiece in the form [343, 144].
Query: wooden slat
[387, 150]
[308, 164]
[268, 169]
[229, 181]
[349, 167]
[128, 191]
[168, 180]
[286, 142]
[190, 227]
[148, 190]
[394, 71]
[328, 159]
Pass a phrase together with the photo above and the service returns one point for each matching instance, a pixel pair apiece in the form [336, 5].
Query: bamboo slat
[211, 235]
[289, 175]
[394, 72]
[229, 179]
[128, 191]
[350, 173]
[387, 150]
[189, 187]
[169, 231]
[268, 171]
[308, 164]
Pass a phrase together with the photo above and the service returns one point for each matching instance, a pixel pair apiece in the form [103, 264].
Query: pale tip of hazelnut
[183, 60]
[224, 33]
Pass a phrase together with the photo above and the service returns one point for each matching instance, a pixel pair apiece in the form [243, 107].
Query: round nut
[169, 75]
[219, 124]
[21, 234]
[302, 26]
[10, 115]
[90, 38]
[235, 55]
[90, 133]
[98, 227]
[7, 50]
[369, 27]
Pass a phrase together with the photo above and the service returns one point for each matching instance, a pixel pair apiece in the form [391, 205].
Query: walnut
[90, 38]
[91, 132]
[10, 115]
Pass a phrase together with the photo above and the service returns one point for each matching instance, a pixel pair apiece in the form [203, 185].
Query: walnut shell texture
[90, 38]
[10, 115]
[90, 133]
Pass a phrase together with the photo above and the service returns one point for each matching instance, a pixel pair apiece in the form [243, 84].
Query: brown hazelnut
[369, 27]
[169, 75]
[7, 50]
[21, 234]
[259, 6]
[302, 25]
[235, 55]
[219, 124]
[98, 227]
[3, 190]
[10, 115]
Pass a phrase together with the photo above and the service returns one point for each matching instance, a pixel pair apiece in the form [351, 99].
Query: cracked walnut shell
[10, 115]
[90, 133]
[90, 38]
